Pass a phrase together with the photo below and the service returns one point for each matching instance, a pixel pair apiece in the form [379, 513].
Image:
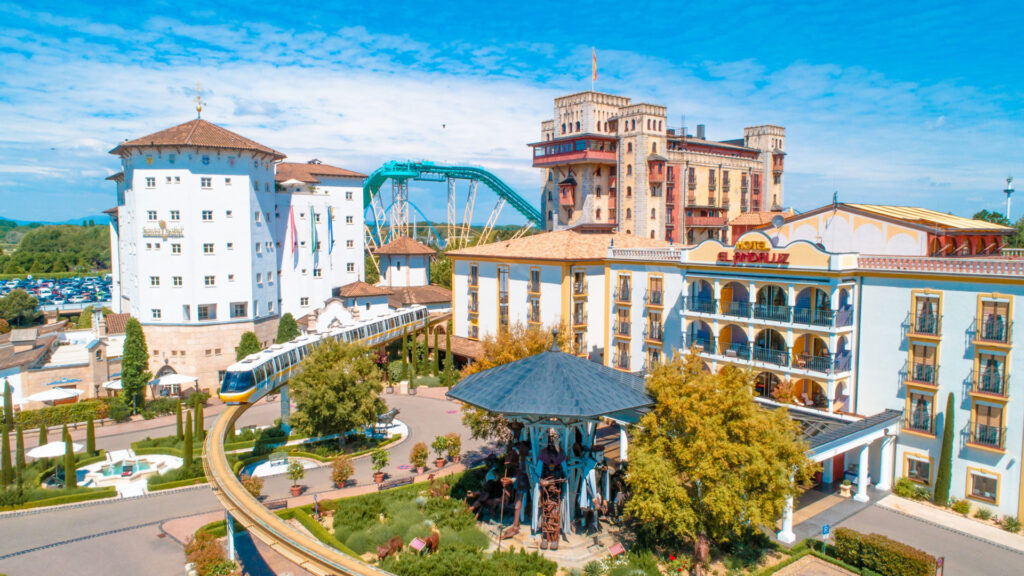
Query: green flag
[312, 229]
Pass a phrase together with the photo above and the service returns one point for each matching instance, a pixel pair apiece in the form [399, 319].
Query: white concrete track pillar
[886, 463]
[862, 474]
[786, 535]
[286, 409]
[623, 444]
[230, 525]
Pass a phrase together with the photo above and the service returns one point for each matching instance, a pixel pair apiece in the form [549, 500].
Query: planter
[403, 387]
[378, 477]
[439, 463]
[420, 469]
[390, 389]
[455, 459]
[296, 490]
[412, 391]
[845, 490]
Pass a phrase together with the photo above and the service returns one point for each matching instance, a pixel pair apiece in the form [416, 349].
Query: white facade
[400, 270]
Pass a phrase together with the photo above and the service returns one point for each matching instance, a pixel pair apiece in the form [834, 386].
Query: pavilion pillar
[886, 463]
[623, 444]
[786, 535]
[826, 471]
[862, 475]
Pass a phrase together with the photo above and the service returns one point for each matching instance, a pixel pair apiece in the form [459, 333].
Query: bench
[276, 504]
[394, 483]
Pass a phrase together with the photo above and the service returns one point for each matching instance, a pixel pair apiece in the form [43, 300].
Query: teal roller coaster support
[430, 171]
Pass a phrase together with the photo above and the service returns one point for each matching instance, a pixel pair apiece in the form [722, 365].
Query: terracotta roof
[116, 323]
[930, 217]
[116, 177]
[407, 296]
[11, 359]
[560, 245]
[758, 218]
[360, 288]
[404, 245]
[306, 172]
[463, 347]
[198, 133]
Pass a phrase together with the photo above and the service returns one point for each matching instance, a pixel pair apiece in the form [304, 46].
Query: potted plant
[845, 488]
[379, 459]
[341, 470]
[454, 446]
[253, 484]
[418, 457]
[296, 472]
[440, 446]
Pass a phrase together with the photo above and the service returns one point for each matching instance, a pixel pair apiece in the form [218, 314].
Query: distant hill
[41, 248]
[98, 219]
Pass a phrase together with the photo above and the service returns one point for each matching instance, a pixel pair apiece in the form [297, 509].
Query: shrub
[982, 513]
[296, 472]
[396, 370]
[341, 469]
[881, 554]
[418, 455]
[177, 475]
[205, 552]
[379, 459]
[160, 406]
[440, 446]
[117, 410]
[454, 448]
[905, 488]
[961, 507]
[1011, 524]
[253, 484]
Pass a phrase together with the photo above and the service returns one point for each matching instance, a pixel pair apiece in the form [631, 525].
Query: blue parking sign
[825, 530]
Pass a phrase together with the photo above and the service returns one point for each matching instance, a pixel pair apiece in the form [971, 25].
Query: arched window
[549, 215]
[633, 124]
[652, 234]
[577, 125]
[597, 191]
[629, 147]
[563, 128]
[598, 214]
[629, 191]
[654, 147]
[629, 214]
[648, 123]
[629, 169]
[654, 214]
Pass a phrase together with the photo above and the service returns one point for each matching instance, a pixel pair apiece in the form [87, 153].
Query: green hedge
[881, 554]
[62, 414]
[54, 275]
[78, 496]
[303, 515]
[166, 451]
[178, 484]
[219, 529]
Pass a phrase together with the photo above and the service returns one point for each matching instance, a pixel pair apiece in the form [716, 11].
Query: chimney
[700, 132]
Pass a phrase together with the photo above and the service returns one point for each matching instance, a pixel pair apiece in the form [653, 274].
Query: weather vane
[199, 100]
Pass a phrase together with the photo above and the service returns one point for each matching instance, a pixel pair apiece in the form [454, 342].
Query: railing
[988, 382]
[739, 309]
[702, 305]
[474, 281]
[646, 254]
[822, 364]
[814, 317]
[474, 307]
[533, 288]
[771, 356]
[622, 361]
[919, 422]
[622, 294]
[770, 312]
[655, 333]
[736, 350]
[579, 319]
[926, 325]
[655, 297]
[944, 265]
[579, 288]
[533, 317]
[986, 435]
[706, 343]
[994, 330]
[923, 374]
[622, 329]
[1013, 252]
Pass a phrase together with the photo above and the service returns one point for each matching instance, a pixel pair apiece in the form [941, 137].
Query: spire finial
[554, 341]
[199, 100]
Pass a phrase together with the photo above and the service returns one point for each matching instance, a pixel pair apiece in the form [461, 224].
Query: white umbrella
[54, 394]
[53, 450]
[292, 182]
[112, 384]
[172, 379]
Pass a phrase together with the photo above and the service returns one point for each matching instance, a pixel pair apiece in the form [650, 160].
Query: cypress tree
[70, 476]
[944, 475]
[449, 364]
[188, 441]
[43, 434]
[134, 366]
[180, 435]
[19, 455]
[437, 357]
[90, 437]
[8, 406]
[6, 467]
[199, 433]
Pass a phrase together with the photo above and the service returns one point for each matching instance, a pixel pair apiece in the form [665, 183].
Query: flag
[593, 76]
[312, 229]
[291, 229]
[330, 230]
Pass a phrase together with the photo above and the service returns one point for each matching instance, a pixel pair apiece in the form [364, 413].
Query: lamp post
[1009, 192]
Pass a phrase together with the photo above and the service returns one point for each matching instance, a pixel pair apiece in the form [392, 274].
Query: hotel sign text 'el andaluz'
[754, 252]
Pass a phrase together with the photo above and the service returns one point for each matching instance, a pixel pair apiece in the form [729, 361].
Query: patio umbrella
[112, 384]
[52, 450]
[54, 394]
[64, 380]
[172, 379]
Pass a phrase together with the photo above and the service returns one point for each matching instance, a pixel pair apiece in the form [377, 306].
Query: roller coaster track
[301, 548]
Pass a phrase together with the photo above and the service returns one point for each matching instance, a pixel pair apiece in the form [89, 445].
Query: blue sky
[910, 103]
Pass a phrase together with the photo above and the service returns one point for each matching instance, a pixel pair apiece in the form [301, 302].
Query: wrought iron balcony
[923, 374]
[655, 297]
[622, 294]
[474, 307]
[655, 333]
[706, 343]
[579, 319]
[579, 288]
[994, 330]
[622, 329]
[622, 361]
[989, 436]
[926, 325]
[533, 288]
[814, 317]
[821, 364]
[702, 305]
[774, 313]
[993, 383]
[739, 309]
[771, 356]
[740, 351]
[919, 422]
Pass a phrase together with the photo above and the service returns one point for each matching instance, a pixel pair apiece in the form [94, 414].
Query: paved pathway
[813, 566]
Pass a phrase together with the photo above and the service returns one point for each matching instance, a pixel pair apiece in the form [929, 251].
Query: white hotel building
[874, 315]
[213, 236]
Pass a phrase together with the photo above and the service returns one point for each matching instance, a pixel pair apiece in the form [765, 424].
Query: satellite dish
[778, 220]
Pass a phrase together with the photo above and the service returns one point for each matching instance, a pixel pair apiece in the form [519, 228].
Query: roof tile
[197, 133]
[560, 245]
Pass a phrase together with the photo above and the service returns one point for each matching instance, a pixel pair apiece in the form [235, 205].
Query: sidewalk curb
[97, 502]
[947, 528]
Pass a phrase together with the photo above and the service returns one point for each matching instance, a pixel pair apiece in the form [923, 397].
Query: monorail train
[259, 374]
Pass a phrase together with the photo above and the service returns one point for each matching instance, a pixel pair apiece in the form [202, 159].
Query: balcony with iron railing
[921, 422]
[579, 288]
[533, 317]
[654, 298]
[772, 312]
[474, 306]
[654, 333]
[736, 308]
[621, 361]
[990, 383]
[474, 281]
[986, 436]
[927, 325]
[623, 294]
[774, 356]
[814, 316]
[993, 331]
[579, 319]
[691, 183]
[705, 343]
[622, 329]
[922, 373]
[736, 350]
[533, 287]
[701, 305]
[814, 363]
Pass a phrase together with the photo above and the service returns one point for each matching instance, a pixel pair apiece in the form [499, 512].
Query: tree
[437, 358]
[287, 329]
[441, 270]
[708, 464]
[70, 476]
[6, 466]
[516, 343]
[199, 432]
[134, 365]
[993, 217]
[85, 318]
[179, 434]
[8, 406]
[19, 308]
[337, 391]
[43, 434]
[372, 273]
[187, 448]
[249, 344]
[944, 476]
[19, 454]
[448, 376]
[90, 437]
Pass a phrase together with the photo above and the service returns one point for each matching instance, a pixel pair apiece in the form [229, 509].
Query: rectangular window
[348, 195]
[993, 323]
[175, 215]
[474, 302]
[921, 415]
[209, 281]
[534, 314]
[317, 272]
[176, 280]
[186, 312]
[350, 243]
[316, 217]
[474, 275]
[150, 182]
[259, 248]
[154, 280]
[987, 427]
[259, 277]
[350, 267]
[304, 301]
[348, 220]
[205, 182]
[231, 277]
[207, 215]
[149, 246]
[623, 293]
[207, 248]
[925, 318]
[207, 312]
[654, 327]
[227, 181]
[984, 486]
[535, 280]
[258, 215]
[151, 214]
[621, 356]
[227, 213]
[502, 274]
[231, 245]
[922, 364]
[156, 313]
[579, 313]
[239, 309]
[655, 291]
[175, 248]
[168, 180]
[579, 282]
[270, 306]
[579, 343]
[919, 469]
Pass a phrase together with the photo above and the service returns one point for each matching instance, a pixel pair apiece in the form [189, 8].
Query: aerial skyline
[885, 104]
